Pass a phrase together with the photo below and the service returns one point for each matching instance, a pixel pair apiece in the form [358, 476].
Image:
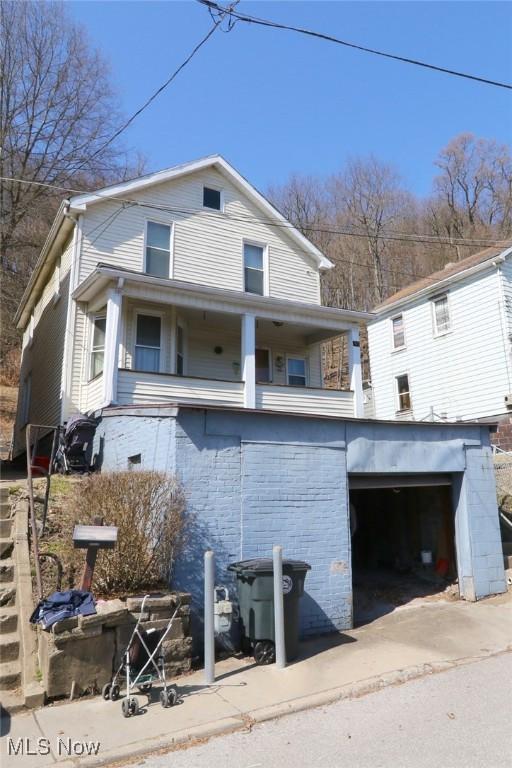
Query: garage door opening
[403, 546]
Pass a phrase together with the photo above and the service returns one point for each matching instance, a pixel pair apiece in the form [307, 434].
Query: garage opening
[403, 542]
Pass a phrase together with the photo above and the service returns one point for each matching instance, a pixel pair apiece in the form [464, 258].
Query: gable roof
[80, 202]
[451, 273]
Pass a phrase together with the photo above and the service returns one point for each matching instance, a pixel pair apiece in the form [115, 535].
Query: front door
[263, 373]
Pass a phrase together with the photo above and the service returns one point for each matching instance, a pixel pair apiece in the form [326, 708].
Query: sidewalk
[409, 642]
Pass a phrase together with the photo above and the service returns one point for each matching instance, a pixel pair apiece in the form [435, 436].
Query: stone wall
[86, 650]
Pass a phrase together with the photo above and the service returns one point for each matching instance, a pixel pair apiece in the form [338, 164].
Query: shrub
[148, 509]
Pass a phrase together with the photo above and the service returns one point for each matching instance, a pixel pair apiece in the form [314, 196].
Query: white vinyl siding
[43, 359]
[463, 374]
[206, 244]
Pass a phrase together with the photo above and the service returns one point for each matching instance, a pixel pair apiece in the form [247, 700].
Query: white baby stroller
[142, 665]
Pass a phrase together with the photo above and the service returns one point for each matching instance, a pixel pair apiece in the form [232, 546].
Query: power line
[429, 239]
[322, 36]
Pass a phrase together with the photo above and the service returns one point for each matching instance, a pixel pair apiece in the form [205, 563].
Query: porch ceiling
[309, 317]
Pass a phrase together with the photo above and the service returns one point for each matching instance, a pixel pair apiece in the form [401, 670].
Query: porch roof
[181, 293]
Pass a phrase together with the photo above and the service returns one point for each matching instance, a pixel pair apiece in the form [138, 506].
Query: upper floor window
[212, 198]
[441, 314]
[398, 332]
[148, 343]
[296, 371]
[254, 268]
[98, 345]
[56, 280]
[158, 249]
[403, 392]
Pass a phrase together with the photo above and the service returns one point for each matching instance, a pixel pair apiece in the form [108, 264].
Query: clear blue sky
[273, 102]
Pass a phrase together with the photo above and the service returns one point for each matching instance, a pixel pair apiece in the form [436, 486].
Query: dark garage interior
[403, 543]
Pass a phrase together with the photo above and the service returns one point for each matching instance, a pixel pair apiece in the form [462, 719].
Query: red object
[442, 566]
[40, 465]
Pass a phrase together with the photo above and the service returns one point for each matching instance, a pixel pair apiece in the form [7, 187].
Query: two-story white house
[183, 286]
[441, 347]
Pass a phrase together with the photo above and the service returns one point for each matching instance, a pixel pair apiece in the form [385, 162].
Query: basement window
[134, 462]
[403, 392]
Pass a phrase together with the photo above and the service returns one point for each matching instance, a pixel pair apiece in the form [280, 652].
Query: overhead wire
[213, 6]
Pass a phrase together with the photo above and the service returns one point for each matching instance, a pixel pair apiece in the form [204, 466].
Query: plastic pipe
[277, 556]
[209, 629]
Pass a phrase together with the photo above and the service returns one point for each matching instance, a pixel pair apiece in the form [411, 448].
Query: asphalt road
[461, 718]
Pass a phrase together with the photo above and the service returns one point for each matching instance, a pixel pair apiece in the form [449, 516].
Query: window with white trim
[441, 312]
[26, 394]
[398, 332]
[31, 324]
[296, 371]
[158, 249]
[148, 343]
[180, 350]
[212, 198]
[254, 269]
[403, 392]
[99, 325]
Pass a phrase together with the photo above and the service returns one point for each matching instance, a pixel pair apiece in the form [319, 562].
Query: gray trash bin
[255, 585]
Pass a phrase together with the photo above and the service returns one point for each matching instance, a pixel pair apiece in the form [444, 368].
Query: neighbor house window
[147, 343]
[254, 269]
[403, 392]
[98, 345]
[441, 314]
[398, 332]
[158, 249]
[296, 371]
[212, 198]
[180, 350]
[26, 393]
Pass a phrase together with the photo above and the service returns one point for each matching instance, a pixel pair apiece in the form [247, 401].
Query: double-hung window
[254, 268]
[441, 311]
[403, 392]
[398, 332]
[148, 343]
[98, 345]
[296, 371]
[158, 249]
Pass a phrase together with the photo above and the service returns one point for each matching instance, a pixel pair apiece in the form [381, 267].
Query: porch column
[249, 360]
[354, 371]
[111, 354]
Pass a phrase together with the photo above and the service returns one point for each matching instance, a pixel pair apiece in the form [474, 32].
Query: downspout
[69, 335]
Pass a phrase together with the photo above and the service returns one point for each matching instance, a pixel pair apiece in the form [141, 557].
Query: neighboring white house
[441, 347]
[183, 286]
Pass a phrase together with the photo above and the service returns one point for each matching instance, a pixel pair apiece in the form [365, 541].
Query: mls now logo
[42, 746]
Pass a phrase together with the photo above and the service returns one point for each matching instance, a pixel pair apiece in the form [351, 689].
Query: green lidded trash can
[255, 584]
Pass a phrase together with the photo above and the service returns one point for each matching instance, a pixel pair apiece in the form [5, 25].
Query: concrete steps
[10, 660]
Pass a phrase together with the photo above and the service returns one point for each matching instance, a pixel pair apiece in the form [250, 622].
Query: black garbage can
[255, 585]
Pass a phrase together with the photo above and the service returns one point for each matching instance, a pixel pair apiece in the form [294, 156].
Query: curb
[129, 753]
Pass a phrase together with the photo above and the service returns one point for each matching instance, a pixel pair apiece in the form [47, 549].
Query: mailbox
[99, 536]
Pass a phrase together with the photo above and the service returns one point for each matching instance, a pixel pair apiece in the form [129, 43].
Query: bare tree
[473, 191]
[57, 109]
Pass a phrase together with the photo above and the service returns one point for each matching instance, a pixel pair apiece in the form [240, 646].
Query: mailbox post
[92, 538]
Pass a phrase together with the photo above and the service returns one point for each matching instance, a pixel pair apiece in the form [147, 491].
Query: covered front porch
[152, 340]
